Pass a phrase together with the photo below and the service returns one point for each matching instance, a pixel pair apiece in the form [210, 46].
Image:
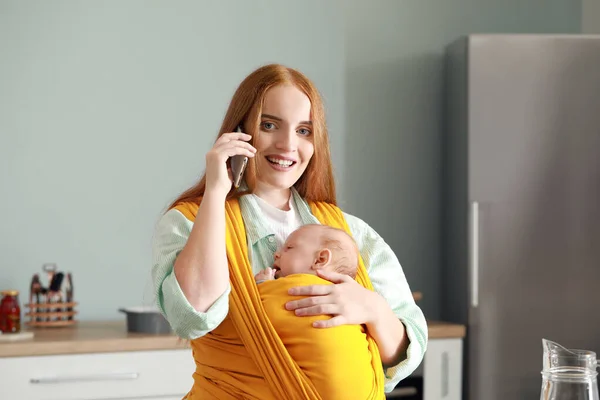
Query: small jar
[10, 312]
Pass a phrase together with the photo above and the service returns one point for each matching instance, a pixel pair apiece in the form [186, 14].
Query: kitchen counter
[446, 330]
[88, 337]
[108, 337]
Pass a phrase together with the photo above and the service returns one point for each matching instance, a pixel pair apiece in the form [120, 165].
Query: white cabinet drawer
[443, 370]
[163, 374]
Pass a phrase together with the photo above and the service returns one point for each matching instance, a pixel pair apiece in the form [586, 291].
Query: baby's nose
[276, 254]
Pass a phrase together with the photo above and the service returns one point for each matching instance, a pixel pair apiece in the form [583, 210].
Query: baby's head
[313, 247]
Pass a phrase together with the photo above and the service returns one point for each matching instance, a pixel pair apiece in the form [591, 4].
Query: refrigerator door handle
[474, 253]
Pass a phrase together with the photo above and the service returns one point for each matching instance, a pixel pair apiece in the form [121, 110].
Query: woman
[288, 181]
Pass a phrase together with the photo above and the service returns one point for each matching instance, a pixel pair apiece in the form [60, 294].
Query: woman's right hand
[218, 177]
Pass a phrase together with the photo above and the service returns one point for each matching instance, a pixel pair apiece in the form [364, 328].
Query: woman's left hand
[346, 301]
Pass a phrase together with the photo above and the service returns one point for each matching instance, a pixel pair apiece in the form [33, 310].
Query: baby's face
[298, 253]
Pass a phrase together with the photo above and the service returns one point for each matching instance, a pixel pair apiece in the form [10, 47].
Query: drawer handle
[445, 372]
[86, 378]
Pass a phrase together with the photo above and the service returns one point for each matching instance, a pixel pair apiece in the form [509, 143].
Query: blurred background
[108, 108]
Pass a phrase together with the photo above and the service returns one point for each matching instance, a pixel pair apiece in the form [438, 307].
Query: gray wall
[107, 109]
[394, 120]
[590, 19]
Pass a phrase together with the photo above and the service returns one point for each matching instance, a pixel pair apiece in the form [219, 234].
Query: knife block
[51, 305]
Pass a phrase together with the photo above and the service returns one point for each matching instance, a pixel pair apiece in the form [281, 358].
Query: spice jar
[10, 312]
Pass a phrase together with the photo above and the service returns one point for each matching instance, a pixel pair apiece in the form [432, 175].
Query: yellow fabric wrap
[245, 357]
[336, 360]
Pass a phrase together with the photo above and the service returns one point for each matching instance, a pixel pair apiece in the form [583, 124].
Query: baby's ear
[322, 259]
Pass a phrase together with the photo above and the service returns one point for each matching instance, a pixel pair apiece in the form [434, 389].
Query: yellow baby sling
[244, 358]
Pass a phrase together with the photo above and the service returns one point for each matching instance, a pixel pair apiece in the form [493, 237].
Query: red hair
[245, 108]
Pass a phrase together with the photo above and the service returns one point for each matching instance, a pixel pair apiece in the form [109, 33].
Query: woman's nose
[287, 140]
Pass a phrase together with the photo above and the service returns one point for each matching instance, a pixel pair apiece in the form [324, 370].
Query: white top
[280, 222]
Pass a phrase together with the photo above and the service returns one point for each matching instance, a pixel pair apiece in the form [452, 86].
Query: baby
[334, 357]
[310, 248]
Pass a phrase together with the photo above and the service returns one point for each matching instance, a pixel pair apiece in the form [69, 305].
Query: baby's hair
[346, 260]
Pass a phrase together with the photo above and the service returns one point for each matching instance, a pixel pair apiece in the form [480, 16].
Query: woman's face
[285, 142]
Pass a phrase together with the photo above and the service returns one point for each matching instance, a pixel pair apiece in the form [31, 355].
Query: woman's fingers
[307, 302]
[331, 322]
[228, 137]
[321, 309]
[311, 290]
[235, 147]
[218, 177]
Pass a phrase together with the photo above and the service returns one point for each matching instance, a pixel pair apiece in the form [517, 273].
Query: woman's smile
[280, 163]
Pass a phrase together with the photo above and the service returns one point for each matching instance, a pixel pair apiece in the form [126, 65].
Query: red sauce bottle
[10, 312]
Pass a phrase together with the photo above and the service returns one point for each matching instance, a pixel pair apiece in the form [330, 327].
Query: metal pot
[146, 320]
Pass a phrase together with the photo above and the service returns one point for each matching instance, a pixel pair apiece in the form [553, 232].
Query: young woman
[213, 237]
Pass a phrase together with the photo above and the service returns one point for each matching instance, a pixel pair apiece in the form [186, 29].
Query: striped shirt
[383, 267]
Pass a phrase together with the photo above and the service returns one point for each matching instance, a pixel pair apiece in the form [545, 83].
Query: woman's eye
[268, 126]
[304, 131]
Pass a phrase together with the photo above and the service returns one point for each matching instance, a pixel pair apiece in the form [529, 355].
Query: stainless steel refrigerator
[521, 204]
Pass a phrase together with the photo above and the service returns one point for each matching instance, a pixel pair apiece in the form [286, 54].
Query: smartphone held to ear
[238, 166]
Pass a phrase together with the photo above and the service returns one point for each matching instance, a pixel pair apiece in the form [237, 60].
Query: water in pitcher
[568, 374]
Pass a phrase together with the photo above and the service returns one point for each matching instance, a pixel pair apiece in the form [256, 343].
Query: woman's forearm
[201, 267]
[388, 332]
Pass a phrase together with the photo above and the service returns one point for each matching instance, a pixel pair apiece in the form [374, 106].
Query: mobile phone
[238, 165]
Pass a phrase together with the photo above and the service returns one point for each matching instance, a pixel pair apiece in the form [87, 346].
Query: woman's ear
[322, 260]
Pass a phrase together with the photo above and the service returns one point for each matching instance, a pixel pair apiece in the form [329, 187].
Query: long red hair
[316, 183]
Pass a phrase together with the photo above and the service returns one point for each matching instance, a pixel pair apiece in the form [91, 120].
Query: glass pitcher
[568, 374]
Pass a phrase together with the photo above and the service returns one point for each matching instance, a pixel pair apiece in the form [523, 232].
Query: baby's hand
[267, 274]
